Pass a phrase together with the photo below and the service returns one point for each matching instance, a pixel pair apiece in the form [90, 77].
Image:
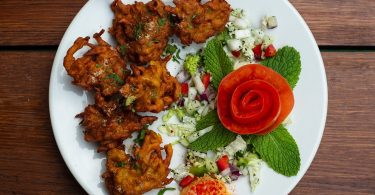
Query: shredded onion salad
[244, 43]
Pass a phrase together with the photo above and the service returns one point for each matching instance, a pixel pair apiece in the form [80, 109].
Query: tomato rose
[254, 100]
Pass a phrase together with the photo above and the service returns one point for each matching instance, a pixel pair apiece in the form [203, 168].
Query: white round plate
[308, 116]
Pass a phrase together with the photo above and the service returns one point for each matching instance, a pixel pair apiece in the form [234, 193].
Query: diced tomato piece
[258, 51]
[270, 51]
[206, 80]
[223, 163]
[236, 53]
[184, 88]
[186, 181]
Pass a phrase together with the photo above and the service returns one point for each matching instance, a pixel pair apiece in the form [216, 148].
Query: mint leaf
[279, 150]
[210, 119]
[218, 137]
[161, 192]
[216, 61]
[287, 62]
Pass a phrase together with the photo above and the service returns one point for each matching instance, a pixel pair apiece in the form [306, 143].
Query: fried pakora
[142, 30]
[199, 22]
[151, 87]
[110, 131]
[100, 69]
[143, 172]
[109, 104]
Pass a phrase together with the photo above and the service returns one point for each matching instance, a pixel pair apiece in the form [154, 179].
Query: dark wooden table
[30, 32]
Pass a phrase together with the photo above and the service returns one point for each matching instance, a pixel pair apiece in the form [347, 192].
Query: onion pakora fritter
[142, 30]
[199, 22]
[143, 172]
[109, 104]
[110, 131]
[100, 69]
[151, 87]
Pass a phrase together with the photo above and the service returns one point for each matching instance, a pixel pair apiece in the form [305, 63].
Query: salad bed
[237, 95]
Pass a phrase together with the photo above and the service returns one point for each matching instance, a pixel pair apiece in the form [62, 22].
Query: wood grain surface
[333, 22]
[30, 162]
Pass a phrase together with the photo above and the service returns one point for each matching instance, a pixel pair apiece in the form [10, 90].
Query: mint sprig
[216, 61]
[218, 137]
[279, 150]
[208, 120]
[287, 62]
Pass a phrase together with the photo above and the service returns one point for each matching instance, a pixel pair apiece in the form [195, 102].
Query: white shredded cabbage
[237, 145]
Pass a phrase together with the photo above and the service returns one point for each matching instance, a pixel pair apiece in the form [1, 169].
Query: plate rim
[309, 159]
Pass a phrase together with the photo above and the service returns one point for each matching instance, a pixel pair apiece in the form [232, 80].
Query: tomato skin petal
[244, 74]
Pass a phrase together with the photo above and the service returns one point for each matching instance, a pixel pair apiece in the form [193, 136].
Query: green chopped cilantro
[120, 164]
[170, 49]
[162, 22]
[116, 78]
[162, 191]
[138, 30]
[122, 50]
[141, 136]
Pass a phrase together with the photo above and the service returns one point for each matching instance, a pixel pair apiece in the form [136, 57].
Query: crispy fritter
[109, 104]
[152, 87]
[146, 171]
[100, 69]
[142, 30]
[110, 131]
[199, 22]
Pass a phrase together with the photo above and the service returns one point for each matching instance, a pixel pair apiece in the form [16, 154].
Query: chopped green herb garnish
[120, 164]
[98, 65]
[138, 30]
[122, 50]
[116, 78]
[174, 59]
[178, 54]
[161, 192]
[170, 49]
[155, 40]
[162, 21]
[141, 136]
